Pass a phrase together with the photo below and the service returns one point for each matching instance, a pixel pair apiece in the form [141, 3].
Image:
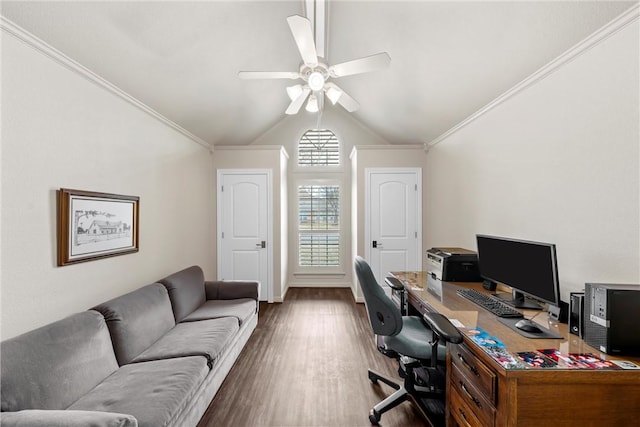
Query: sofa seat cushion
[155, 393]
[241, 308]
[206, 338]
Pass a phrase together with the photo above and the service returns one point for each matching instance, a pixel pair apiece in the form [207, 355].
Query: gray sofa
[153, 357]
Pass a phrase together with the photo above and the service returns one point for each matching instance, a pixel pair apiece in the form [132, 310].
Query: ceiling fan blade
[361, 65]
[303, 35]
[348, 103]
[344, 99]
[295, 105]
[248, 75]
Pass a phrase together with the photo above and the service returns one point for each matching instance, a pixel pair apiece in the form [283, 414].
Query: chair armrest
[394, 283]
[443, 327]
[231, 289]
[63, 418]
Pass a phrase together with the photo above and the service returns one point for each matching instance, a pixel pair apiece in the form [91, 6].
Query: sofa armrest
[231, 289]
[52, 418]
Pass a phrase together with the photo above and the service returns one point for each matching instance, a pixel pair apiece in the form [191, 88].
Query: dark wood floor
[306, 365]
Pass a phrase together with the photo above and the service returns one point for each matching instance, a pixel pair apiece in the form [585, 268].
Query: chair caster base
[374, 417]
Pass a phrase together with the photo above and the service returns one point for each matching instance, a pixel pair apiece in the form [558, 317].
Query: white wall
[62, 130]
[558, 162]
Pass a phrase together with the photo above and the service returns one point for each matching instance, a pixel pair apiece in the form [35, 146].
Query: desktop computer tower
[610, 318]
[576, 313]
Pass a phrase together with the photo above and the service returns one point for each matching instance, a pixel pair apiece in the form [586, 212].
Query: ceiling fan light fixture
[294, 91]
[314, 71]
[316, 81]
[312, 104]
[334, 95]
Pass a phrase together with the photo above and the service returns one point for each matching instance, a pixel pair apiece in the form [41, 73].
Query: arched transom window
[319, 147]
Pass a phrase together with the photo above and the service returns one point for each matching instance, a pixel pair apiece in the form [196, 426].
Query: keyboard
[489, 303]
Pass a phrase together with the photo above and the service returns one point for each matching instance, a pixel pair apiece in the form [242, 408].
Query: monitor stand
[516, 299]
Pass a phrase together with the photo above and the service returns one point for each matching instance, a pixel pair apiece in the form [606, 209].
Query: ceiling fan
[316, 73]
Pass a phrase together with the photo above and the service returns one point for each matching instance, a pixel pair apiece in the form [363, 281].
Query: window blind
[318, 147]
[319, 225]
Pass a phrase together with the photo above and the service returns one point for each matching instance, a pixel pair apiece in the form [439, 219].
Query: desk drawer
[472, 397]
[461, 413]
[477, 373]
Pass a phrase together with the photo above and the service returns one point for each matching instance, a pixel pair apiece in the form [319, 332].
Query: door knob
[262, 244]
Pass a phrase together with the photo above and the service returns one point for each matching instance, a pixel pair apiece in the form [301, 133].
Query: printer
[453, 265]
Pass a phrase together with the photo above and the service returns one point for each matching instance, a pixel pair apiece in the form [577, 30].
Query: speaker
[576, 313]
[559, 313]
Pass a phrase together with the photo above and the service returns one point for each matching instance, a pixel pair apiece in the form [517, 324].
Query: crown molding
[41, 46]
[617, 24]
[254, 147]
[388, 147]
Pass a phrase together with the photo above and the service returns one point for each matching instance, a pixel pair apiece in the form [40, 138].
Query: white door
[393, 220]
[244, 213]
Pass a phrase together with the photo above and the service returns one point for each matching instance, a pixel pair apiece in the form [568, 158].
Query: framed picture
[95, 225]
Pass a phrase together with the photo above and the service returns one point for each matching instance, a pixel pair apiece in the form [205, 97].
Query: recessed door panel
[247, 262]
[246, 207]
[392, 204]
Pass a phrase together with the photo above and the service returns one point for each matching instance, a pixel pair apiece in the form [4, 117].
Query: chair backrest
[385, 317]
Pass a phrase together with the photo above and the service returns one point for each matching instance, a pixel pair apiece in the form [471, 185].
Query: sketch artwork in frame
[95, 225]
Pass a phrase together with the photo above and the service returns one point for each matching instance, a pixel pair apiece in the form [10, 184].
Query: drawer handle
[471, 396]
[464, 417]
[468, 366]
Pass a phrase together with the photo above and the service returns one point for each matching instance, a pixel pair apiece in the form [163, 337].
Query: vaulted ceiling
[181, 58]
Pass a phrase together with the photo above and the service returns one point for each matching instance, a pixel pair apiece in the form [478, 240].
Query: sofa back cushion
[53, 366]
[186, 290]
[137, 319]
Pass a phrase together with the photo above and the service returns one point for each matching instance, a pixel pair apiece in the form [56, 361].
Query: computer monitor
[529, 268]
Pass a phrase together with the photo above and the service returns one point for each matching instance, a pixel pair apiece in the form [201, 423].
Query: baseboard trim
[318, 285]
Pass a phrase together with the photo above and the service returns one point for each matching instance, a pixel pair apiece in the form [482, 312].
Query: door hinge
[222, 188]
[223, 234]
[416, 234]
[416, 187]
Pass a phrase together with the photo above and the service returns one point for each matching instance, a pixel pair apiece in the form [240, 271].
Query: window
[319, 179]
[319, 225]
[319, 147]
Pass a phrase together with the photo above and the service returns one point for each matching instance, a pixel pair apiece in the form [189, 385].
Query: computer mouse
[528, 326]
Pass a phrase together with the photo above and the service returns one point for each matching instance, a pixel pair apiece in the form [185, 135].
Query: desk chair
[419, 346]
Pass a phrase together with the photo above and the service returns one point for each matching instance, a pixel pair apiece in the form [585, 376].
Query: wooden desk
[481, 392]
